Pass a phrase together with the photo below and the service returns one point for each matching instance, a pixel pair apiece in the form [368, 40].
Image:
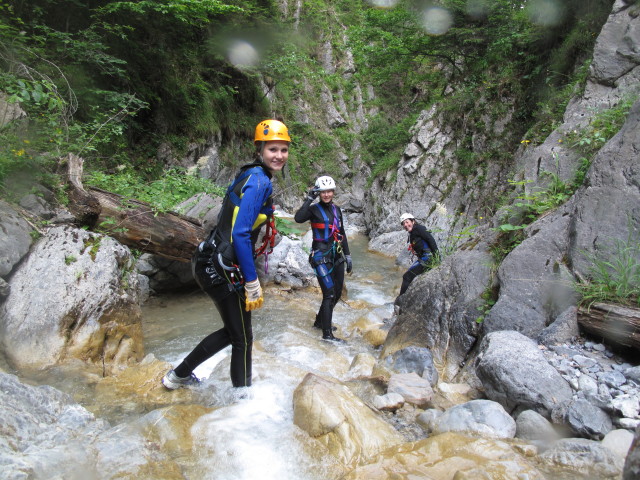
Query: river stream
[254, 436]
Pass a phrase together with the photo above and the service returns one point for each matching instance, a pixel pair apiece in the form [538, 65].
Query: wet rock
[428, 418]
[45, 433]
[388, 402]
[15, 238]
[330, 413]
[75, 297]
[581, 458]
[448, 455]
[138, 389]
[414, 359]
[619, 442]
[531, 425]
[481, 417]
[587, 420]
[362, 365]
[375, 336]
[453, 394]
[514, 373]
[414, 389]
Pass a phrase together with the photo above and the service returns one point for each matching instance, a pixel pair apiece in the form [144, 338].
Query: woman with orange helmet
[223, 265]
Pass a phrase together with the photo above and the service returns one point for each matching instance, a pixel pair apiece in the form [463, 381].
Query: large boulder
[515, 374]
[440, 309]
[75, 297]
[329, 412]
[535, 284]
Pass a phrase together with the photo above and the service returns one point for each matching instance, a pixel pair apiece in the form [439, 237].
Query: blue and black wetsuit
[222, 264]
[328, 249]
[423, 246]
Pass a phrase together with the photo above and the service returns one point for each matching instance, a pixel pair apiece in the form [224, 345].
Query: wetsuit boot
[318, 323]
[327, 334]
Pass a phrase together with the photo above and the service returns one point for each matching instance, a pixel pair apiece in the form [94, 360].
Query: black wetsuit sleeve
[345, 243]
[304, 212]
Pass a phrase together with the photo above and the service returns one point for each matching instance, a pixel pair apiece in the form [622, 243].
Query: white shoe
[173, 381]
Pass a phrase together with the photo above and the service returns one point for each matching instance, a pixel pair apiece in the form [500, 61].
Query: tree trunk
[132, 222]
[615, 323]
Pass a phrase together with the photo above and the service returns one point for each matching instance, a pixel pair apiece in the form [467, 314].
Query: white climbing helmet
[406, 216]
[325, 183]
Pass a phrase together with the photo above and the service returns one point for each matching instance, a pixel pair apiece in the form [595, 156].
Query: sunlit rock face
[329, 412]
[75, 297]
[448, 456]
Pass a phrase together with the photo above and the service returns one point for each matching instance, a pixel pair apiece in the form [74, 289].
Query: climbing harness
[331, 233]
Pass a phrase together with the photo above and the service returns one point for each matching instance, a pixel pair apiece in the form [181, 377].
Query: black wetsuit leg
[416, 269]
[331, 280]
[236, 332]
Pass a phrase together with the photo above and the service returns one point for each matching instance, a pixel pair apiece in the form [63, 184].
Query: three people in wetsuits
[329, 250]
[422, 245]
[223, 265]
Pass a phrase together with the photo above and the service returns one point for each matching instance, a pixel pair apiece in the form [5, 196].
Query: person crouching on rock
[329, 250]
[223, 265]
[422, 246]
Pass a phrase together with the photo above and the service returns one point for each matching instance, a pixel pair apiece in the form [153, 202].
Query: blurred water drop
[242, 54]
[477, 9]
[383, 3]
[437, 20]
[546, 13]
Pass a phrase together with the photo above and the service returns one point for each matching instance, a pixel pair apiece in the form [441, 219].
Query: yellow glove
[253, 294]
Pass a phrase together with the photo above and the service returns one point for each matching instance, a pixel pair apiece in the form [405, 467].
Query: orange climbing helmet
[268, 130]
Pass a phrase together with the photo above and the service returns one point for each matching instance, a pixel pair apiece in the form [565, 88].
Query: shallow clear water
[254, 436]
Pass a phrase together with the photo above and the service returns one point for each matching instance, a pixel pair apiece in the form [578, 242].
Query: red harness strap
[268, 241]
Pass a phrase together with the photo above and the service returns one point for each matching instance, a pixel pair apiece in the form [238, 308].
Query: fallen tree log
[132, 222]
[618, 324]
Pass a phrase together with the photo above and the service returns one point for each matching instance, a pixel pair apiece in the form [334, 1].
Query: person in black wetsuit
[223, 265]
[422, 245]
[329, 250]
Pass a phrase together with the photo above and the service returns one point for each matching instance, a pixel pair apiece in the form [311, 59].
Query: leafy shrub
[164, 193]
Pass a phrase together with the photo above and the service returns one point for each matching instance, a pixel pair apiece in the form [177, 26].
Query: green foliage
[383, 142]
[172, 188]
[488, 298]
[614, 275]
[189, 12]
[528, 207]
[601, 128]
[286, 227]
